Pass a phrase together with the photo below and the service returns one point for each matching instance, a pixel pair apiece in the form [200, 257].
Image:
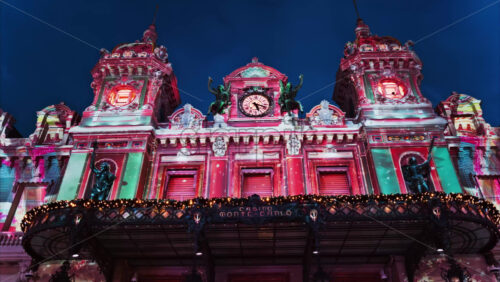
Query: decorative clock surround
[254, 93]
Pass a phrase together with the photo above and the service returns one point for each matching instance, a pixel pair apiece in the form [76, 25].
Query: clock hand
[256, 105]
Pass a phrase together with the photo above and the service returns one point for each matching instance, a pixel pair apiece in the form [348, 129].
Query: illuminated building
[332, 187]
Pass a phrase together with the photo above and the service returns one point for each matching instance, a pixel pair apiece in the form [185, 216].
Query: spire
[149, 34]
[362, 30]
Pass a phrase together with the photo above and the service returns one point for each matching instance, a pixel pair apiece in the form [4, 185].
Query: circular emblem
[121, 95]
[255, 105]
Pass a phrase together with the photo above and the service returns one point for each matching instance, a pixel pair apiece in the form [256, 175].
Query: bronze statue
[222, 98]
[287, 98]
[103, 178]
[415, 174]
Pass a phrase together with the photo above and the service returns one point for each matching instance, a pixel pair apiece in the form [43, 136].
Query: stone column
[218, 168]
[218, 177]
[294, 166]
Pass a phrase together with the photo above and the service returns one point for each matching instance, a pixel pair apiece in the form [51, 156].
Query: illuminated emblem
[197, 218]
[255, 105]
[121, 95]
[437, 212]
[391, 89]
[78, 218]
[313, 214]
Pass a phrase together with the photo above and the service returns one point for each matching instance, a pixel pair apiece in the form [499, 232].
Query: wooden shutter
[181, 187]
[333, 183]
[257, 183]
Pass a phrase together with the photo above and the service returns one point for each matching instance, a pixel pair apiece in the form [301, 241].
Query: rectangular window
[257, 181]
[333, 181]
[181, 185]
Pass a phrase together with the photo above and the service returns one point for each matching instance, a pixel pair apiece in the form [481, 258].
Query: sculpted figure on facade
[183, 152]
[104, 178]
[219, 147]
[219, 121]
[187, 118]
[287, 100]
[416, 174]
[293, 145]
[222, 98]
[325, 115]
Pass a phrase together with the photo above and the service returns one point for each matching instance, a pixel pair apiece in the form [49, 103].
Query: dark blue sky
[41, 66]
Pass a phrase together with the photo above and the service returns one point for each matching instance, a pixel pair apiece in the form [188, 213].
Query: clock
[255, 105]
[121, 95]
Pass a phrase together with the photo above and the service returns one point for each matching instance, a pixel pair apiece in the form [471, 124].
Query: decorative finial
[150, 35]
[255, 60]
[362, 29]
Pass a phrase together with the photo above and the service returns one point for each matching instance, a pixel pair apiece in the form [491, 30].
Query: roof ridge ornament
[150, 34]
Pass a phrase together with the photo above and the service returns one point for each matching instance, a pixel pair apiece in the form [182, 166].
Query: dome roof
[142, 49]
[255, 70]
[367, 42]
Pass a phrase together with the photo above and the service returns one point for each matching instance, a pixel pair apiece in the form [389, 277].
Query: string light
[485, 208]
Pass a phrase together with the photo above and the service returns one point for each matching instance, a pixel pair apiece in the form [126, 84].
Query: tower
[378, 85]
[133, 85]
[134, 89]
[255, 90]
[379, 79]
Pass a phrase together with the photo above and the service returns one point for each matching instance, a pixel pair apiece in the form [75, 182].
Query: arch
[255, 69]
[337, 115]
[403, 161]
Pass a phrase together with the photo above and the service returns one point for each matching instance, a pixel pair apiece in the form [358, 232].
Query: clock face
[121, 95]
[255, 105]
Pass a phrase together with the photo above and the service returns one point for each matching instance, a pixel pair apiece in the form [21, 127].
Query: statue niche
[103, 180]
[416, 172]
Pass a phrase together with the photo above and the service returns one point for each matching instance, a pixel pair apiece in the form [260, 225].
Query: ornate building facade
[381, 187]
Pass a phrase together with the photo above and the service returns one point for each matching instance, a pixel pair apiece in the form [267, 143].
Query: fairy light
[482, 207]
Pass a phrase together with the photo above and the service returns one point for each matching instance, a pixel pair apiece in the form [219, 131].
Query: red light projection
[391, 89]
[121, 95]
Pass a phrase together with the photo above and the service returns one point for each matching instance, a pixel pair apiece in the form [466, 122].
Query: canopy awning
[271, 231]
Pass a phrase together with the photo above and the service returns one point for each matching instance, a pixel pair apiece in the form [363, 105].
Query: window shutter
[334, 183]
[257, 183]
[181, 187]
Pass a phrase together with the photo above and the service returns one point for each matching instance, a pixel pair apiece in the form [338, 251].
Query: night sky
[41, 66]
